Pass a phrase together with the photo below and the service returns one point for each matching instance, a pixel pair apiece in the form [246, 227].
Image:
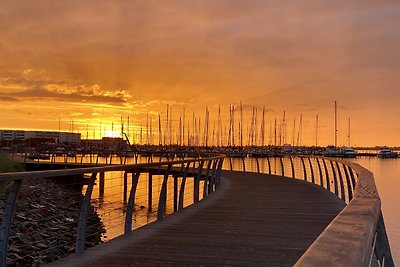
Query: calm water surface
[111, 204]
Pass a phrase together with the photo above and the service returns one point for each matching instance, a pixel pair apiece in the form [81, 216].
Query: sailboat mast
[300, 130]
[230, 125]
[241, 124]
[206, 127]
[213, 134]
[336, 130]
[233, 125]
[316, 131]
[263, 127]
[170, 127]
[219, 131]
[141, 134]
[183, 127]
[294, 131]
[180, 130]
[147, 129]
[255, 128]
[166, 127]
[284, 128]
[159, 130]
[128, 129]
[275, 132]
[122, 129]
[348, 136]
[151, 131]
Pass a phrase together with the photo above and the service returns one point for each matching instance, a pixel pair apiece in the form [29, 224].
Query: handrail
[211, 180]
[348, 239]
[12, 176]
[357, 236]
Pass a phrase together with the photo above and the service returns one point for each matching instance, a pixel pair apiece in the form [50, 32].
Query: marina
[341, 185]
[199, 133]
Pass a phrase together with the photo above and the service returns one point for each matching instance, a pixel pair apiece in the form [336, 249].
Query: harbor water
[111, 203]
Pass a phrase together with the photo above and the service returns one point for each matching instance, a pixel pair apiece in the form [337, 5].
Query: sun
[111, 133]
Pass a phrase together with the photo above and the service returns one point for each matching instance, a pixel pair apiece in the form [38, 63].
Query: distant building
[53, 137]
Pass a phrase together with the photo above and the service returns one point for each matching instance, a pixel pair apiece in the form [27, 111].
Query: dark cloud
[40, 93]
[8, 99]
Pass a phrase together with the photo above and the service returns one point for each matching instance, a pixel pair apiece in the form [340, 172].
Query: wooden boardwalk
[251, 220]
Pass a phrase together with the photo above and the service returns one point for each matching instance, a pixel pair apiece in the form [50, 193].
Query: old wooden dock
[251, 220]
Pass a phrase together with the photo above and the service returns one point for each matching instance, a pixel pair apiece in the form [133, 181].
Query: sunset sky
[94, 61]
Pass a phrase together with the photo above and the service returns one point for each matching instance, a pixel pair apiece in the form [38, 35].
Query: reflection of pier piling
[101, 185]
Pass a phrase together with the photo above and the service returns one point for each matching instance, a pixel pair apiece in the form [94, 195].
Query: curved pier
[252, 219]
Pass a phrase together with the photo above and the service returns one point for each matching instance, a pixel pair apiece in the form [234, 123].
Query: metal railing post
[6, 221]
[348, 182]
[335, 183]
[321, 177]
[207, 178]
[292, 166]
[163, 194]
[342, 193]
[212, 178]
[312, 171]
[197, 178]
[304, 168]
[269, 165]
[182, 189]
[328, 183]
[258, 165]
[230, 163]
[382, 248]
[282, 167]
[353, 180]
[219, 167]
[131, 203]
[81, 232]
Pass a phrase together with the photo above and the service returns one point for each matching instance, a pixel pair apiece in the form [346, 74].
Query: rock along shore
[45, 222]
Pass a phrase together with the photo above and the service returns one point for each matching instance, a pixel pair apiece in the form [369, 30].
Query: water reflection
[111, 202]
[110, 195]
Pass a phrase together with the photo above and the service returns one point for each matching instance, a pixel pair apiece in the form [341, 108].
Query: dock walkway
[251, 220]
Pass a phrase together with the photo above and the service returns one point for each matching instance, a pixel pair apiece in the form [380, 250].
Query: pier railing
[172, 192]
[357, 236]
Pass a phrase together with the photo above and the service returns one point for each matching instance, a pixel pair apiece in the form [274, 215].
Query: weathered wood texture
[251, 220]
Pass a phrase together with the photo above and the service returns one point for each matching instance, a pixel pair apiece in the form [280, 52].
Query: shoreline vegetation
[45, 219]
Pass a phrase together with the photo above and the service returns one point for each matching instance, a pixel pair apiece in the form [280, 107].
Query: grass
[7, 165]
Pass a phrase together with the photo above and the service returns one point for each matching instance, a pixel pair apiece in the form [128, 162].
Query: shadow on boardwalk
[252, 219]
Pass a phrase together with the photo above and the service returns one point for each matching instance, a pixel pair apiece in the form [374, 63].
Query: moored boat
[348, 152]
[387, 153]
